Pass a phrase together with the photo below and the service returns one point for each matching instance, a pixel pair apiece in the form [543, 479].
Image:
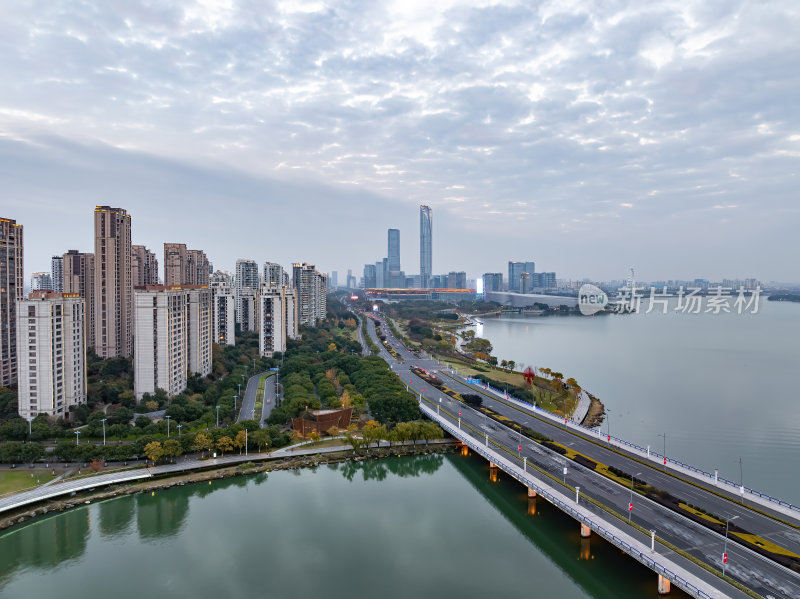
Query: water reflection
[403, 467]
[160, 514]
[45, 544]
[113, 521]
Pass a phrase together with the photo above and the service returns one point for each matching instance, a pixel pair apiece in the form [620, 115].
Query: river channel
[426, 526]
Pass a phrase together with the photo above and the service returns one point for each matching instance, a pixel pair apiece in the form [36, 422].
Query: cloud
[565, 108]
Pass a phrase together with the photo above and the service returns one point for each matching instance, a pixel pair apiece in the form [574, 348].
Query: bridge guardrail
[531, 482]
[702, 473]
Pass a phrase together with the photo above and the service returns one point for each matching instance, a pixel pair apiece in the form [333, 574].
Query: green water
[401, 527]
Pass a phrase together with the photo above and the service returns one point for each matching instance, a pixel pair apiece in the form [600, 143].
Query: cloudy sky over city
[588, 136]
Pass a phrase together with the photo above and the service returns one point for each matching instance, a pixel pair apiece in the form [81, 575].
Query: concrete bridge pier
[664, 585]
[531, 492]
[586, 532]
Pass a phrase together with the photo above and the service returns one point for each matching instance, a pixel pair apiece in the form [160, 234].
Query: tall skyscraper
[113, 288]
[197, 266]
[79, 279]
[144, 266]
[57, 273]
[370, 278]
[55, 376]
[334, 283]
[41, 281]
[173, 337]
[425, 246]
[311, 293]
[12, 289]
[394, 250]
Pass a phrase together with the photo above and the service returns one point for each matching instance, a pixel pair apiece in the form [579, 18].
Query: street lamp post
[168, 417]
[217, 416]
[630, 503]
[30, 424]
[235, 400]
[664, 436]
[725, 547]
[104, 429]
[77, 436]
[608, 425]
[180, 426]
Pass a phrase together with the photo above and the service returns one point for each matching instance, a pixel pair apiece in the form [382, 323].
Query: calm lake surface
[429, 526]
[721, 386]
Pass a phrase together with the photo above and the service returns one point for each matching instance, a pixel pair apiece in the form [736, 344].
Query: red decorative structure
[528, 375]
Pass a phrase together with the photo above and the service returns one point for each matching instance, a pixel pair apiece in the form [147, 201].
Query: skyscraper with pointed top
[425, 246]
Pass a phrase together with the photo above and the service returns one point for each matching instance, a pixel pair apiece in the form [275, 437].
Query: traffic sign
[473, 381]
[630, 507]
[724, 558]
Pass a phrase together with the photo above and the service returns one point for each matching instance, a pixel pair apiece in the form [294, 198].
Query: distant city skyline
[588, 136]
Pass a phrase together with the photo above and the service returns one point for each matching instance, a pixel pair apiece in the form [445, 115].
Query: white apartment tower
[311, 290]
[57, 273]
[172, 339]
[275, 275]
[52, 347]
[277, 318]
[224, 305]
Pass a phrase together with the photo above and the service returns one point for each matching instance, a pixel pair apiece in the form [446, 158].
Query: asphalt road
[247, 411]
[762, 575]
[269, 397]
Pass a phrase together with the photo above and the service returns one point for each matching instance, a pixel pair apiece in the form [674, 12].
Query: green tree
[202, 442]
[172, 448]
[240, 441]
[511, 364]
[260, 438]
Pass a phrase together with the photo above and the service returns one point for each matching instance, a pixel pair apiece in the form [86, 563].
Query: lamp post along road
[217, 416]
[77, 436]
[725, 546]
[630, 503]
[104, 429]
[167, 417]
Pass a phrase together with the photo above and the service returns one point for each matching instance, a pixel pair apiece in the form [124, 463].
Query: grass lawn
[19, 479]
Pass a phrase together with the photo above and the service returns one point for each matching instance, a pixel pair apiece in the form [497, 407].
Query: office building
[57, 273]
[277, 318]
[544, 280]
[425, 246]
[113, 288]
[224, 306]
[525, 282]
[515, 270]
[79, 279]
[41, 281]
[394, 250]
[246, 279]
[173, 337]
[457, 280]
[334, 280]
[54, 376]
[370, 278]
[144, 266]
[492, 281]
[351, 279]
[12, 289]
[311, 293]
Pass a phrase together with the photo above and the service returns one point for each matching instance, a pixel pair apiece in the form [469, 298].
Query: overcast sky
[586, 136]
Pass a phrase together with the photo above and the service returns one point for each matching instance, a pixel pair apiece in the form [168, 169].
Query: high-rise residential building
[277, 318]
[275, 275]
[492, 281]
[311, 293]
[457, 280]
[79, 279]
[394, 250]
[175, 264]
[41, 281]
[196, 268]
[224, 305]
[221, 276]
[425, 245]
[247, 314]
[144, 266]
[57, 273]
[246, 278]
[54, 376]
[113, 287]
[173, 337]
[12, 289]
[370, 278]
[515, 270]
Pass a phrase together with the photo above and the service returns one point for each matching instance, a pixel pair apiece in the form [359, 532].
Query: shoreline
[27, 513]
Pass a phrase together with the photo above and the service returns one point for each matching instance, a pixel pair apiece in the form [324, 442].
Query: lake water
[721, 386]
[429, 526]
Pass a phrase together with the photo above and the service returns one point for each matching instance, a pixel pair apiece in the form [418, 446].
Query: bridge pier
[531, 492]
[664, 585]
[586, 532]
